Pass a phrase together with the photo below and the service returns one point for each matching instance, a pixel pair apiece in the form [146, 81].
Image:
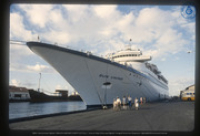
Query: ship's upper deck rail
[154, 69]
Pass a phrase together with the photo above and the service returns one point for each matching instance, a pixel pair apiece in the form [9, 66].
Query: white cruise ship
[100, 80]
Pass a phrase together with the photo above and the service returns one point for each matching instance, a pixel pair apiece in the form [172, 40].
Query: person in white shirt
[136, 104]
[115, 104]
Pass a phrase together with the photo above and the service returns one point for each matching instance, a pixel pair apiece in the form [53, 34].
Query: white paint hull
[88, 73]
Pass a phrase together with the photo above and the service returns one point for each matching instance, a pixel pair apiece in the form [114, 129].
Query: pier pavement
[161, 116]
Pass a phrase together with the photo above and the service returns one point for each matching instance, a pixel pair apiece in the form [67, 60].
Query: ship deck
[151, 117]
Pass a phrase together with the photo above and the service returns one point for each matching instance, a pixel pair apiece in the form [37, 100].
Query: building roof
[190, 87]
[17, 89]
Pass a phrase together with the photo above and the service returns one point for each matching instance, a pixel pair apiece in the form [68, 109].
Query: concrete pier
[161, 116]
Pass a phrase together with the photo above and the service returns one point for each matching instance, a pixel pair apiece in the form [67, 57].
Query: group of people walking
[126, 103]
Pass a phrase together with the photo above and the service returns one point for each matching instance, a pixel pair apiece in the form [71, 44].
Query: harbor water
[27, 109]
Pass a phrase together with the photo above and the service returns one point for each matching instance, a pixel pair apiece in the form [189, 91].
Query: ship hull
[97, 80]
[41, 97]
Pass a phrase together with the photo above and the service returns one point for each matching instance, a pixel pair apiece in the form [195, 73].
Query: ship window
[107, 83]
[17, 95]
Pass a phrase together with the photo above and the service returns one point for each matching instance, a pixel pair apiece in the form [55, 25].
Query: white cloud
[171, 41]
[59, 37]
[31, 68]
[163, 59]
[178, 84]
[36, 67]
[18, 52]
[38, 14]
[90, 24]
[15, 82]
[17, 28]
[106, 11]
[76, 13]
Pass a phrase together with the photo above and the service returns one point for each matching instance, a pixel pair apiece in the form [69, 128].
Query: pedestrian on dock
[118, 103]
[136, 103]
[129, 102]
[114, 104]
[124, 102]
[141, 100]
[144, 100]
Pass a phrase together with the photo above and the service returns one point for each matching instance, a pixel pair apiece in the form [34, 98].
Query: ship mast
[128, 47]
[39, 83]
[130, 43]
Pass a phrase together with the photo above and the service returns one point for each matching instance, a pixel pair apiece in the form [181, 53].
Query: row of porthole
[130, 55]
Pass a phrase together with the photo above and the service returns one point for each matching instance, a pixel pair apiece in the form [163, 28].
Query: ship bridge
[130, 55]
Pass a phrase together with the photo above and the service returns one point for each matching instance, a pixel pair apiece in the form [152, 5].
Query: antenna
[38, 38]
[130, 42]
[129, 46]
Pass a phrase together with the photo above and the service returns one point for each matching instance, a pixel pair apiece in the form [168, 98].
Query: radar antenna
[130, 42]
[128, 47]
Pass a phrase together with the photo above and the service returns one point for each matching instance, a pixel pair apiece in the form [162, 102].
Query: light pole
[39, 83]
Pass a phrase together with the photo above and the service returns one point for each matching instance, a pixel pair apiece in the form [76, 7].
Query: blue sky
[159, 31]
